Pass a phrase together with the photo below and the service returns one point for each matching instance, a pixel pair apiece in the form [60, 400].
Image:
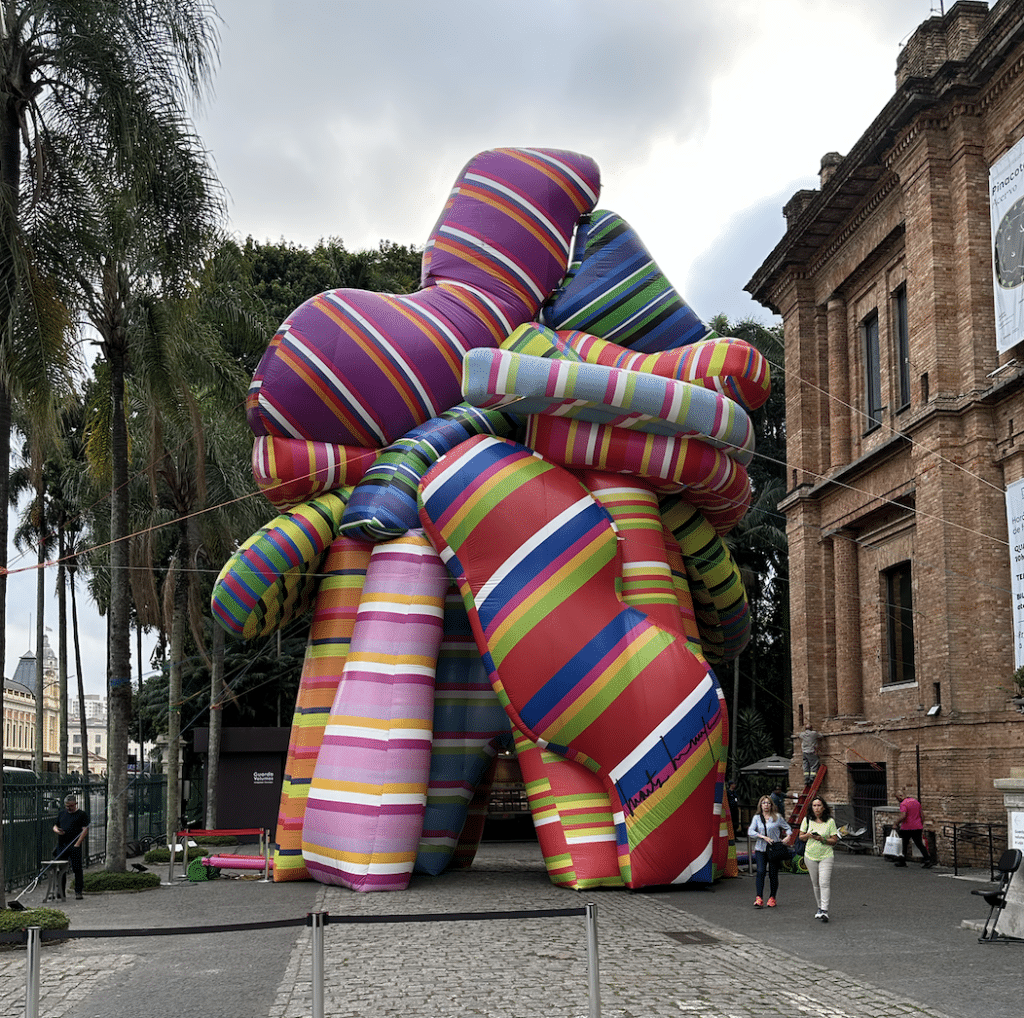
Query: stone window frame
[897, 676]
[871, 350]
[901, 345]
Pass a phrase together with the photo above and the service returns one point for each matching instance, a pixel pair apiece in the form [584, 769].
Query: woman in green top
[819, 832]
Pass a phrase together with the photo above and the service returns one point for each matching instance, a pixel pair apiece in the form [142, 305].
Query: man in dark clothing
[71, 828]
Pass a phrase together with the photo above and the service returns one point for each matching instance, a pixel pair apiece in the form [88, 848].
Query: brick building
[905, 424]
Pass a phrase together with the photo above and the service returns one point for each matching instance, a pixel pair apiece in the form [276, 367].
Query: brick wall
[927, 486]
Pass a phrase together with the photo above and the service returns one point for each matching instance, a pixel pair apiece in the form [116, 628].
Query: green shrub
[103, 881]
[163, 855]
[47, 918]
[216, 839]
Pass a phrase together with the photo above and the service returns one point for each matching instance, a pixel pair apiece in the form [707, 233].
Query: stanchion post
[593, 978]
[319, 921]
[32, 972]
[265, 842]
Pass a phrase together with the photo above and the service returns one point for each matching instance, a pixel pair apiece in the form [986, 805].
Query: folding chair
[995, 898]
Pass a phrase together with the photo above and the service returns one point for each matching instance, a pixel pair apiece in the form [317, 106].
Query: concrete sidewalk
[896, 945]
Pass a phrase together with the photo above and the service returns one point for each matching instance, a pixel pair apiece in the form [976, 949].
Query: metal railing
[30, 809]
[974, 834]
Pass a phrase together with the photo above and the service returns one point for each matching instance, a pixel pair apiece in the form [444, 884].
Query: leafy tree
[104, 187]
[279, 277]
[760, 548]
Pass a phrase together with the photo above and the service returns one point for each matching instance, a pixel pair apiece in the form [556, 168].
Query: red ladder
[802, 801]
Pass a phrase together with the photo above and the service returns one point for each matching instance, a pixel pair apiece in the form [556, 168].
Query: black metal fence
[30, 809]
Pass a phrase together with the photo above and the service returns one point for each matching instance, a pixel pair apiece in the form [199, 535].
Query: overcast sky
[352, 119]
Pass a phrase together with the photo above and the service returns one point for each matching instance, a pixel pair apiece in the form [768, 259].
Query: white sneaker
[818, 914]
[824, 917]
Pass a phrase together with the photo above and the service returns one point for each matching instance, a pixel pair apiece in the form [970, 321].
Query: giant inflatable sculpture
[503, 497]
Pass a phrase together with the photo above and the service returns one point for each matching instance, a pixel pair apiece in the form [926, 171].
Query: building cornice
[956, 88]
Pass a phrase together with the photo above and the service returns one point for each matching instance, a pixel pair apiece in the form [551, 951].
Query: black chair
[995, 898]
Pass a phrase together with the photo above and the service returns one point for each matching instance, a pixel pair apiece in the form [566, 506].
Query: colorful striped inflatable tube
[358, 368]
[711, 479]
[633, 400]
[334, 616]
[273, 576]
[364, 810]
[615, 290]
[468, 718]
[537, 561]
[290, 471]
[730, 367]
[720, 600]
[383, 505]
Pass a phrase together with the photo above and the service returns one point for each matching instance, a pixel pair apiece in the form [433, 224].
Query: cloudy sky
[352, 119]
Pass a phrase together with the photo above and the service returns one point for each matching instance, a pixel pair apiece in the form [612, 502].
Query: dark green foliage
[122, 881]
[216, 840]
[760, 548]
[12, 920]
[754, 741]
[263, 683]
[279, 277]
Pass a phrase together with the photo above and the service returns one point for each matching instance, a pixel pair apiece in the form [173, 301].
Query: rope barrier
[32, 937]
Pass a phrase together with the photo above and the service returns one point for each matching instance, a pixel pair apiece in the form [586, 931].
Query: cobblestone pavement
[722, 966]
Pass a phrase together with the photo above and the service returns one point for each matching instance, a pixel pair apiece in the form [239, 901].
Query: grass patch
[104, 881]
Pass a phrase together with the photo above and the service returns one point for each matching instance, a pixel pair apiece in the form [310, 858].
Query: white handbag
[893, 847]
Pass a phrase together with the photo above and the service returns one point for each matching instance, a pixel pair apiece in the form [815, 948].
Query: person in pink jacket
[911, 827]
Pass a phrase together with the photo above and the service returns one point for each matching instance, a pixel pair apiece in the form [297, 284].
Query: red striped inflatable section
[620, 695]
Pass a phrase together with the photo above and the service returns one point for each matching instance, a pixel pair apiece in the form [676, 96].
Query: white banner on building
[1006, 195]
[1015, 528]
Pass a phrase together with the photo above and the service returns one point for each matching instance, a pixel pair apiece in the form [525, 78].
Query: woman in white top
[819, 833]
[767, 826]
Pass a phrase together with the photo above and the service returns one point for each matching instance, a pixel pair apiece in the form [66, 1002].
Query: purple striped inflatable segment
[357, 368]
[364, 811]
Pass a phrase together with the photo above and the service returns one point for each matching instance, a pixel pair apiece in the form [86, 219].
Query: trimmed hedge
[103, 881]
[12, 920]
[216, 839]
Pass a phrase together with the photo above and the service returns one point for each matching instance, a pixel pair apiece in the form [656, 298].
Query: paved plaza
[897, 945]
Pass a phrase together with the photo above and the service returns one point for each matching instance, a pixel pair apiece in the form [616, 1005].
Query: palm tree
[35, 530]
[94, 95]
[198, 447]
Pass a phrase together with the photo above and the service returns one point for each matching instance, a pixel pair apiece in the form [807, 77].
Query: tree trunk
[40, 741]
[5, 460]
[141, 761]
[83, 728]
[216, 713]
[119, 697]
[178, 623]
[62, 651]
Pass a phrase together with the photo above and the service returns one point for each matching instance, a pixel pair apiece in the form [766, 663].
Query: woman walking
[768, 827]
[819, 833]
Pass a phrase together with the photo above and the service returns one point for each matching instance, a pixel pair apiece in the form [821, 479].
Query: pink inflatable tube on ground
[237, 862]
